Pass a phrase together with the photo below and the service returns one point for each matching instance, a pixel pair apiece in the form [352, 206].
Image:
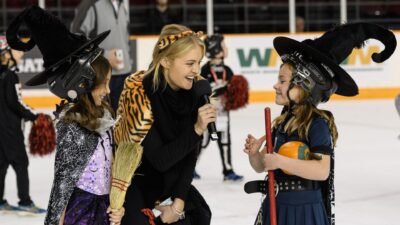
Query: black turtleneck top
[171, 145]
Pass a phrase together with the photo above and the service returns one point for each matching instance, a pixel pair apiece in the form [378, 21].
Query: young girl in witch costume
[309, 75]
[76, 71]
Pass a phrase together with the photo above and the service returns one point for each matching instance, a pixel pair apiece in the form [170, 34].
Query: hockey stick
[271, 175]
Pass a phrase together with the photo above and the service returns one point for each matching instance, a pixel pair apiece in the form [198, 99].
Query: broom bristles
[126, 160]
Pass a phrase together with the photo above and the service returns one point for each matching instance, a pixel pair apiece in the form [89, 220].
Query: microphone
[202, 90]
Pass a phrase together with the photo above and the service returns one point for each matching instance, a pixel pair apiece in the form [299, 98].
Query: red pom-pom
[42, 138]
[237, 94]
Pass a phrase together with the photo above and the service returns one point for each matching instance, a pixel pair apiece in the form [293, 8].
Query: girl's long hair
[85, 112]
[302, 117]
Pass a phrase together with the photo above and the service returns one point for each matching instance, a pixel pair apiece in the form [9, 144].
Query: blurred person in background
[13, 112]
[220, 75]
[93, 17]
[160, 15]
[300, 24]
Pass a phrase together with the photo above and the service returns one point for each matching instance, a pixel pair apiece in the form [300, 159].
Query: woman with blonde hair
[159, 109]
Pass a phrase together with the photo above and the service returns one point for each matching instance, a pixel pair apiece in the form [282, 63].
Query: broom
[126, 161]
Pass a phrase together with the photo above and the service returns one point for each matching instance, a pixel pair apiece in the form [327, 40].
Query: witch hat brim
[346, 85]
[42, 77]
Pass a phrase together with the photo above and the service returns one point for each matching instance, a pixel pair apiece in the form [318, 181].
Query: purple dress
[90, 199]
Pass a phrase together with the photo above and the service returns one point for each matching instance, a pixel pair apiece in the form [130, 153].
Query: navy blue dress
[301, 207]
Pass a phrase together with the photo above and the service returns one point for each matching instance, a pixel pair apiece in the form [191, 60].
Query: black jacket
[162, 122]
[170, 147]
[12, 111]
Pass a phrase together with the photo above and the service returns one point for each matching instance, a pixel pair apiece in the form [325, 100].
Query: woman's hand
[179, 204]
[253, 145]
[206, 114]
[271, 161]
[168, 214]
[116, 215]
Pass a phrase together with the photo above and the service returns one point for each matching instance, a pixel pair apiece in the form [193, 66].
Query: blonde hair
[175, 50]
[303, 116]
[85, 107]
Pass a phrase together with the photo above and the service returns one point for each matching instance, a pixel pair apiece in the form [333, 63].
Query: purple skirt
[85, 208]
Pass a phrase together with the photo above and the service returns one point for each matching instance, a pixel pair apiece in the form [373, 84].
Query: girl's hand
[168, 215]
[206, 114]
[253, 145]
[271, 161]
[116, 215]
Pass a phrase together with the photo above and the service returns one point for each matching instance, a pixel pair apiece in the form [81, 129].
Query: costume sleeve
[13, 98]
[134, 116]
[320, 138]
[64, 138]
[163, 156]
[135, 124]
[58, 201]
[182, 186]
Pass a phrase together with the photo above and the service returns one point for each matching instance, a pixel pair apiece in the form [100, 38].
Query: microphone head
[202, 87]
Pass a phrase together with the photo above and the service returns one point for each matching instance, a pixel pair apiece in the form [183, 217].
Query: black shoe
[5, 207]
[30, 209]
[233, 177]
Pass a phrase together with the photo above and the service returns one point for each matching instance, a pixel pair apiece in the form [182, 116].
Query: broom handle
[271, 175]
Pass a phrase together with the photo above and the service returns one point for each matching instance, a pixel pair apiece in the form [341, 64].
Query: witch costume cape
[61, 50]
[75, 146]
[316, 69]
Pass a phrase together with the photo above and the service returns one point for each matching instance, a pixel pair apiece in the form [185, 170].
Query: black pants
[116, 86]
[224, 145]
[14, 154]
[197, 211]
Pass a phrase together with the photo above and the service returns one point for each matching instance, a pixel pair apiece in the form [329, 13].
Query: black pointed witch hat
[53, 39]
[336, 45]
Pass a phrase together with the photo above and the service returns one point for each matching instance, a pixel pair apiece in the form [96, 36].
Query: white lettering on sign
[31, 65]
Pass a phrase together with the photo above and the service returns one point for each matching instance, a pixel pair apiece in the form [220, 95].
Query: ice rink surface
[367, 168]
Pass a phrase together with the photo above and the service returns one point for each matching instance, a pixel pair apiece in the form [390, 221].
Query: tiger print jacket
[134, 115]
[133, 120]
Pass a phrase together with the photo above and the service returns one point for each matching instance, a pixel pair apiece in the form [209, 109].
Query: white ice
[367, 168]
